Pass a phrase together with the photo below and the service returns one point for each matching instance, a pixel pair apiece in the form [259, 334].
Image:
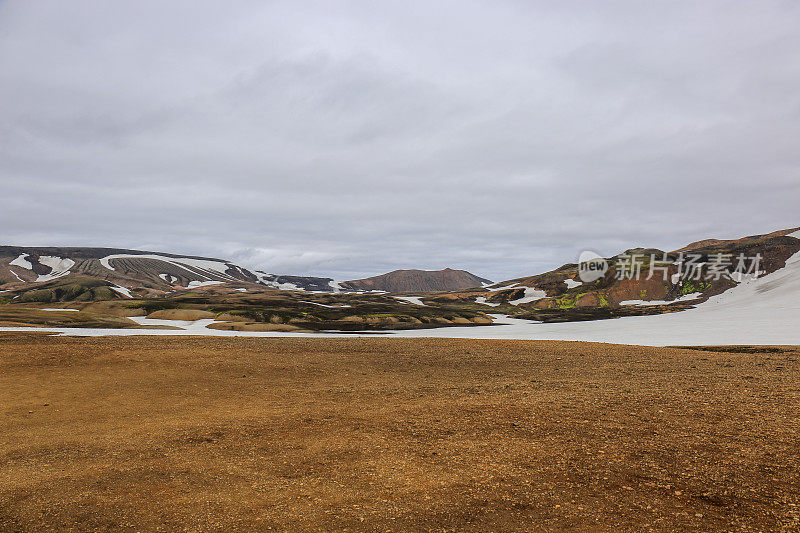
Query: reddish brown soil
[199, 434]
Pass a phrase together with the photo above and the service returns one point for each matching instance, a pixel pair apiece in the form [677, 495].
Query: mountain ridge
[166, 271]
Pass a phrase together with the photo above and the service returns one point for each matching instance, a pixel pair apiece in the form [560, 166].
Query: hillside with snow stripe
[133, 269]
[165, 272]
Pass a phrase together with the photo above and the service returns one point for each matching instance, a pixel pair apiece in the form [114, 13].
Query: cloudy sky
[349, 138]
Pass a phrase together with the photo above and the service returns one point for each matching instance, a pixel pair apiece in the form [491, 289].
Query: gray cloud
[352, 138]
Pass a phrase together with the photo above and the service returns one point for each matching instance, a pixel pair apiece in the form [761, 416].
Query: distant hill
[418, 281]
[144, 272]
[158, 271]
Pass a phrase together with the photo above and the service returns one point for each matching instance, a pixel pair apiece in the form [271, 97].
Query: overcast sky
[352, 138]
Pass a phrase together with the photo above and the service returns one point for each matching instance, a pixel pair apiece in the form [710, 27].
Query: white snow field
[761, 311]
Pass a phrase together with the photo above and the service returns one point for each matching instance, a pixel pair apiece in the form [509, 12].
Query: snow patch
[58, 267]
[482, 300]
[169, 278]
[122, 290]
[531, 295]
[21, 261]
[410, 299]
[324, 305]
[16, 276]
[504, 288]
[58, 309]
[571, 283]
[196, 284]
[691, 296]
[271, 280]
[197, 327]
[282, 286]
[335, 286]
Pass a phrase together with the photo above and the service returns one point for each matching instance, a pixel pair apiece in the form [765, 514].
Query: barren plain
[380, 434]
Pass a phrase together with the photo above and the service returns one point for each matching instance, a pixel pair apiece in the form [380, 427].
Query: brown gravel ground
[220, 434]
